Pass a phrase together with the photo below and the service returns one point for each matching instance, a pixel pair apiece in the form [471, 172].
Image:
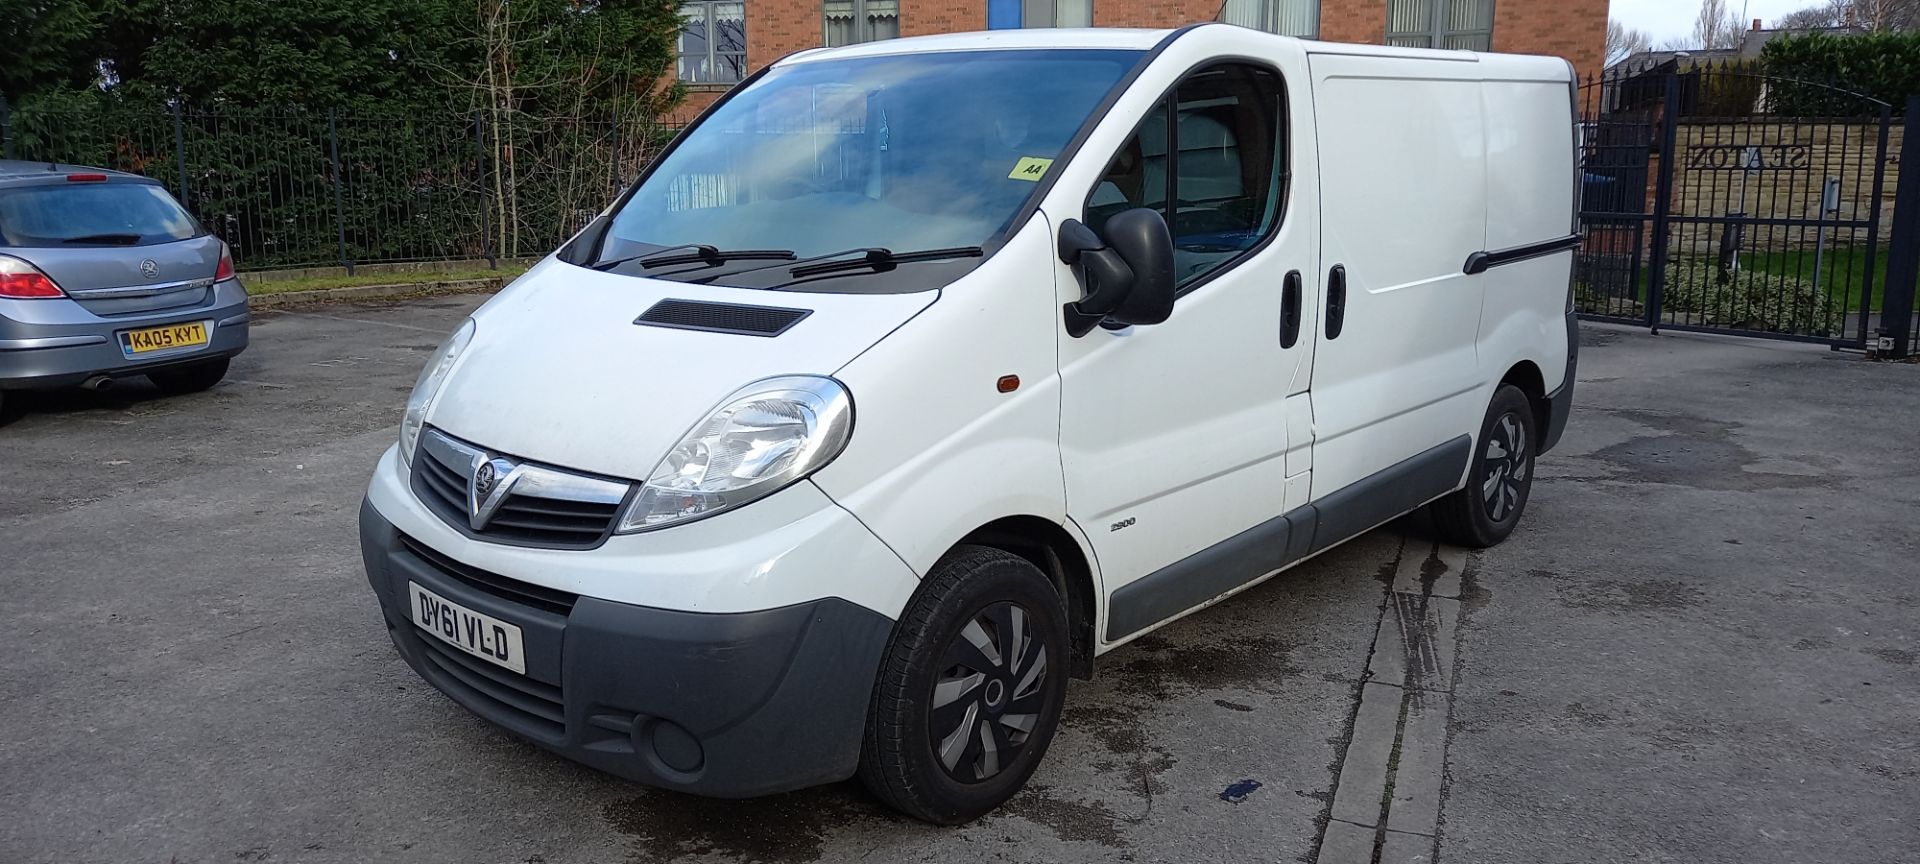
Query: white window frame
[1268, 16]
[862, 24]
[714, 55]
[1046, 13]
[1437, 31]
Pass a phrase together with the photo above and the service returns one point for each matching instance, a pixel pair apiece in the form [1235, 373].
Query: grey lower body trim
[1391, 492]
[1286, 539]
[1560, 401]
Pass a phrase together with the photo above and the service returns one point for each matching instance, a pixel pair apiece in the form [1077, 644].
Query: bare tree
[1818, 17]
[1870, 16]
[1624, 41]
[1717, 26]
[1878, 16]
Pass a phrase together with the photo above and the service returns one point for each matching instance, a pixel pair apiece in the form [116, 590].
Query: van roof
[1493, 65]
[1083, 37]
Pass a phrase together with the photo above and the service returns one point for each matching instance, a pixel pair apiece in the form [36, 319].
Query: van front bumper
[722, 704]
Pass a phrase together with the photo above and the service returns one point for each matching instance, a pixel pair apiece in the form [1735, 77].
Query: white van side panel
[1403, 201]
[1529, 200]
[937, 450]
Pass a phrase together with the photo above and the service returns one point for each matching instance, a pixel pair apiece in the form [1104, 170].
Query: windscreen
[91, 214]
[905, 152]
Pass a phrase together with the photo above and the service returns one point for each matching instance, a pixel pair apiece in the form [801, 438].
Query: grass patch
[260, 287]
[1788, 273]
[1842, 271]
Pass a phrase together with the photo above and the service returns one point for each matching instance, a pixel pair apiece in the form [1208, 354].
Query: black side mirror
[1128, 274]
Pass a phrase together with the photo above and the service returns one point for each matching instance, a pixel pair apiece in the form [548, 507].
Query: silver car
[104, 275]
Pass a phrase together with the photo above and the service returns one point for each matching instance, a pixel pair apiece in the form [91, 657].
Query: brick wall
[1574, 29]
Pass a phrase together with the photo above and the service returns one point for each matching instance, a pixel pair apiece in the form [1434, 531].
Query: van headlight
[427, 387]
[763, 438]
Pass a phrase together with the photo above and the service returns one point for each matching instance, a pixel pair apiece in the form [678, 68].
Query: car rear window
[92, 214]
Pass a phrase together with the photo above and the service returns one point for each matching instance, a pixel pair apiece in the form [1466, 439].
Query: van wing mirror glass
[1128, 274]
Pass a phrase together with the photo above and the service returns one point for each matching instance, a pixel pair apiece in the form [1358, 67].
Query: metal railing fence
[291, 188]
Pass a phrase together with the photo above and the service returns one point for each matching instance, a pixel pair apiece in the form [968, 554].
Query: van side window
[1222, 162]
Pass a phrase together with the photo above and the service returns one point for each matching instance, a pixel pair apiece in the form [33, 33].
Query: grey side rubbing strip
[1285, 539]
[1202, 576]
[1391, 492]
[1481, 262]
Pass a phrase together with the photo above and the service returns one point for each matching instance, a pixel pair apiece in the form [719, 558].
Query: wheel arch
[1047, 545]
[1526, 376]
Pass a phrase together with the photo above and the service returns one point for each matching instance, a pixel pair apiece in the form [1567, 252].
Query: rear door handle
[1336, 301]
[1290, 311]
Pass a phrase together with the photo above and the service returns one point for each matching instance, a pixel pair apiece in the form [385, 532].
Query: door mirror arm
[1128, 276]
[1105, 274]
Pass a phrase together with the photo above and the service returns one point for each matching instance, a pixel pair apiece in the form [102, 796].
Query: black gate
[1722, 200]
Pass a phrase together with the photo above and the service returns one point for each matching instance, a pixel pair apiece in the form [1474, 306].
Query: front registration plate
[483, 636]
[189, 335]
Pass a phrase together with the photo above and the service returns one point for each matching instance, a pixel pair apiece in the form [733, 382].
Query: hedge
[1885, 66]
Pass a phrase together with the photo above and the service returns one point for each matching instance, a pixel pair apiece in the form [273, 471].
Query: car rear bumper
[722, 704]
[48, 354]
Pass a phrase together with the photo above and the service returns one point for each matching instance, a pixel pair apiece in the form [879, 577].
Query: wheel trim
[988, 699]
[1505, 468]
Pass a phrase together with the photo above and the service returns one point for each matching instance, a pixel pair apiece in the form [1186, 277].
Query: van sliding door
[1403, 176]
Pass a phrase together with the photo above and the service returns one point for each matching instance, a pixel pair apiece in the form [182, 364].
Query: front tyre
[970, 691]
[1500, 479]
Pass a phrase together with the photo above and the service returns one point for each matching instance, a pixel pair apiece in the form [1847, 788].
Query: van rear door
[1403, 204]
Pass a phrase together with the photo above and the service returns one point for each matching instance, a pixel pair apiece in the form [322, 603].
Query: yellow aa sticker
[1030, 168]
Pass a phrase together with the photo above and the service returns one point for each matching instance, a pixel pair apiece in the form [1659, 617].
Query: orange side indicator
[1009, 383]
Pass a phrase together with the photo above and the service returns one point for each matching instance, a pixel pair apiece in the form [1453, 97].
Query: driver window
[1221, 162]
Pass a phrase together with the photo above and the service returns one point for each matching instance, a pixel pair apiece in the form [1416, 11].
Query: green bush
[1726, 90]
[1698, 293]
[1884, 66]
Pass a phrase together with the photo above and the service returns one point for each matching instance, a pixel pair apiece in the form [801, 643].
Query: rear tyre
[970, 691]
[190, 379]
[1500, 479]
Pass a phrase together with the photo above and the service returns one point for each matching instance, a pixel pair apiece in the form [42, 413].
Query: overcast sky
[1673, 19]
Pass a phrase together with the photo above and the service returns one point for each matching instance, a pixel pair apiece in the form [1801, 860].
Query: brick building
[726, 40]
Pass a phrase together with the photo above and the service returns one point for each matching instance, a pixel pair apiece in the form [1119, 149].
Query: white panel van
[918, 374]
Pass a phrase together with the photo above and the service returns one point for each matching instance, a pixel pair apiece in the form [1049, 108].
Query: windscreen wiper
[880, 260]
[106, 239]
[700, 253]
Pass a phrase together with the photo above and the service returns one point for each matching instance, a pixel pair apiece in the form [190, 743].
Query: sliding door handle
[1336, 301]
[1290, 310]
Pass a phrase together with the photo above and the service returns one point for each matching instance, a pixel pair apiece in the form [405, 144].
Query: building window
[1285, 17]
[1465, 25]
[1056, 13]
[851, 21]
[713, 42]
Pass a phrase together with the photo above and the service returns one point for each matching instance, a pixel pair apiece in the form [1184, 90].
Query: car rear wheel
[1501, 477]
[970, 691]
[190, 379]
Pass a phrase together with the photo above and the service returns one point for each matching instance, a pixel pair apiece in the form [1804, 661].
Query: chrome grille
[543, 507]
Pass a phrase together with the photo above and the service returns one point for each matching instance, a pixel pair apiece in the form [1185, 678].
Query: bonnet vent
[735, 318]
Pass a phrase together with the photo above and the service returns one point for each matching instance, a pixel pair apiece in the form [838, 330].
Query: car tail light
[224, 270]
[86, 178]
[22, 281]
